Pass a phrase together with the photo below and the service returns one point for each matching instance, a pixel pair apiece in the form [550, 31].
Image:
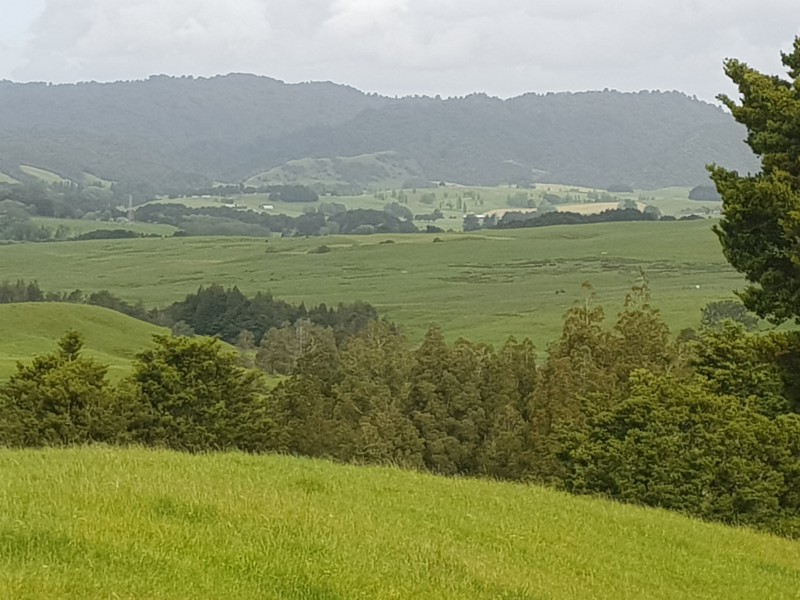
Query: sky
[403, 47]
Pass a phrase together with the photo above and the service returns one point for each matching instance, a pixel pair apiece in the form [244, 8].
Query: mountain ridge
[176, 131]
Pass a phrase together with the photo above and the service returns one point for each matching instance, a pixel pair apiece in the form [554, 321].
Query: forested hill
[235, 126]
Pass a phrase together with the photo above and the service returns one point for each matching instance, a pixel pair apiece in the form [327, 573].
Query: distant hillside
[184, 131]
[381, 169]
[28, 329]
[90, 522]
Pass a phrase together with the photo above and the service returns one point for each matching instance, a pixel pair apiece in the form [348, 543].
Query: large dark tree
[760, 228]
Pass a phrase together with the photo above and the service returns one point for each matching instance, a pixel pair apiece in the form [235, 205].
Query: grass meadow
[33, 328]
[4, 178]
[108, 523]
[42, 174]
[484, 285]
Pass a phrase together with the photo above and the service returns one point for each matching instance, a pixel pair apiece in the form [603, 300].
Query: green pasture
[90, 179]
[79, 226]
[42, 174]
[96, 523]
[29, 329]
[484, 285]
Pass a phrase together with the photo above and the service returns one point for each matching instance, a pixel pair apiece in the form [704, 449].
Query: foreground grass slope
[103, 523]
[33, 328]
[484, 286]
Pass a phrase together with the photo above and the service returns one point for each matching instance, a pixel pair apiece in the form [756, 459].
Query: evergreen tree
[675, 444]
[510, 381]
[761, 212]
[60, 398]
[642, 339]
[743, 365]
[376, 367]
[429, 403]
[197, 398]
[579, 369]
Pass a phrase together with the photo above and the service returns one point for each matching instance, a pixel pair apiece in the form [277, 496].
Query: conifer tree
[197, 397]
[58, 399]
[760, 225]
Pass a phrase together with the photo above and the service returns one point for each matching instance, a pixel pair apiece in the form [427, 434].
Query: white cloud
[503, 47]
[109, 39]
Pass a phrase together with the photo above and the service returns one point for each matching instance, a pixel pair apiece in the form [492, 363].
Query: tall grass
[107, 523]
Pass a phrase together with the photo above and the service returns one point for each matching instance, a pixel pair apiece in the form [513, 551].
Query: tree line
[214, 311]
[222, 220]
[706, 425]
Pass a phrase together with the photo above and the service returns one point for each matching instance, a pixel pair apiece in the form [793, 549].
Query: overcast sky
[400, 47]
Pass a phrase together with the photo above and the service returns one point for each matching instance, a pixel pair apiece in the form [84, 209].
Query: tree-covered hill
[175, 131]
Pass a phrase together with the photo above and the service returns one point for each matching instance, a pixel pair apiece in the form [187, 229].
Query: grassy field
[32, 328]
[90, 179]
[42, 174]
[484, 285]
[106, 523]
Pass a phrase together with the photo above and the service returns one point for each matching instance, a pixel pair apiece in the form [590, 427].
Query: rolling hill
[99, 522]
[379, 170]
[173, 132]
[33, 328]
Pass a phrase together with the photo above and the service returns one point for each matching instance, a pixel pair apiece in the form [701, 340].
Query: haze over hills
[171, 131]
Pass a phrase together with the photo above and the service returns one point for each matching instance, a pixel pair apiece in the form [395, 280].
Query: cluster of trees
[16, 224]
[186, 393]
[69, 200]
[552, 217]
[704, 192]
[291, 193]
[223, 220]
[709, 426]
[29, 291]
[19, 202]
[215, 311]
[210, 220]
[230, 315]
